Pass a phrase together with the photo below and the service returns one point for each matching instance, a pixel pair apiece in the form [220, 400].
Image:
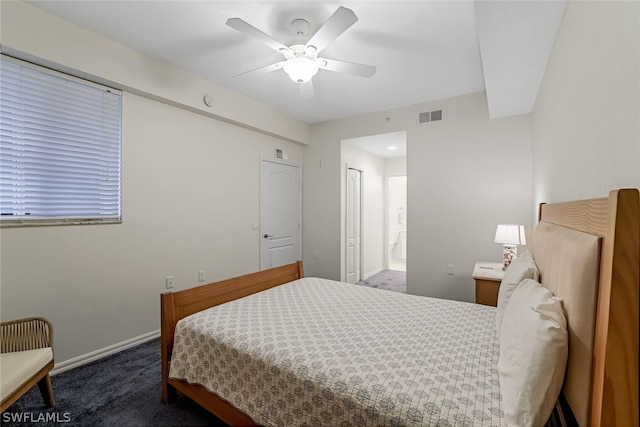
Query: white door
[353, 225]
[280, 213]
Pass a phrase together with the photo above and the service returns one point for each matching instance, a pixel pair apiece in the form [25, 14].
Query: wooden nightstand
[488, 276]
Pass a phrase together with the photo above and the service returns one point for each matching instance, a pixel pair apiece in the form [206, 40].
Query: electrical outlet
[169, 282]
[200, 276]
[450, 269]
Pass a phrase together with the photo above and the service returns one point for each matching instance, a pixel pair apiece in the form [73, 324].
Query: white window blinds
[60, 145]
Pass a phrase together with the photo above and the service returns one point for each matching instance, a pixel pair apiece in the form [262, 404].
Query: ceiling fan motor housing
[301, 51]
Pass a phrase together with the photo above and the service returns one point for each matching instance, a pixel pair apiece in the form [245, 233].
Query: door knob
[268, 236]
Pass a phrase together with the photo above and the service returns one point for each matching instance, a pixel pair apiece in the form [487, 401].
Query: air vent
[430, 116]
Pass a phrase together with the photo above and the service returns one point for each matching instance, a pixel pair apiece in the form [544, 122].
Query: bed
[454, 380]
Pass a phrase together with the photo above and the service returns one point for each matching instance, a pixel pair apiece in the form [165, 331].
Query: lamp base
[509, 253]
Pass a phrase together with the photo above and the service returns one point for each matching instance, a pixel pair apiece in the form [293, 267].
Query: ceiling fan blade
[306, 90]
[263, 70]
[251, 31]
[337, 24]
[346, 67]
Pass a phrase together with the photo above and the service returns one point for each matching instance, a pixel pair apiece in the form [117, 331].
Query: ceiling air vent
[430, 116]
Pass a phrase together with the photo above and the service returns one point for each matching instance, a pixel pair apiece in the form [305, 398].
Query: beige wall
[586, 122]
[468, 173]
[189, 196]
[465, 175]
[190, 193]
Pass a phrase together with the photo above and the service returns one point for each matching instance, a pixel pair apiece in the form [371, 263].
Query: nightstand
[488, 276]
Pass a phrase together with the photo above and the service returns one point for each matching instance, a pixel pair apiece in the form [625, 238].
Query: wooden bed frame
[614, 385]
[177, 305]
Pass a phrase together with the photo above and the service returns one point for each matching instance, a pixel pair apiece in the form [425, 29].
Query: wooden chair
[26, 357]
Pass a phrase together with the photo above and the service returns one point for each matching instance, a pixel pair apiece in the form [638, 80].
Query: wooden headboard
[178, 305]
[613, 399]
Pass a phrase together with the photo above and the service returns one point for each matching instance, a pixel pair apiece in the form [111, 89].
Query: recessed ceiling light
[392, 147]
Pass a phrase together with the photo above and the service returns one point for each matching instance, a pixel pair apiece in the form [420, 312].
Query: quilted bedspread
[316, 352]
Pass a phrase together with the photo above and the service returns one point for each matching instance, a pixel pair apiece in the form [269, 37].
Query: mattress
[321, 352]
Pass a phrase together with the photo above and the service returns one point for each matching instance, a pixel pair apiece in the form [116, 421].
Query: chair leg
[46, 390]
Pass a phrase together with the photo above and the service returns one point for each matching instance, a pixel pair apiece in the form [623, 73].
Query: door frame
[261, 210]
[387, 220]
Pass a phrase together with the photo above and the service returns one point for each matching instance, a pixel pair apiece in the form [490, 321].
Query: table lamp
[510, 236]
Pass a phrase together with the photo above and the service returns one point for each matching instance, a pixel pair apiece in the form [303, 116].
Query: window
[60, 145]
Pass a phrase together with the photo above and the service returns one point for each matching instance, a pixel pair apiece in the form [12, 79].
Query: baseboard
[376, 271]
[103, 352]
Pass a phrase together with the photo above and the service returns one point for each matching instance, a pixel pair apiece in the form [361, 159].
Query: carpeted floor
[390, 280]
[119, 390]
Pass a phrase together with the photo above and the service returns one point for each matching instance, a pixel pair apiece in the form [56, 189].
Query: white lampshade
[300, 69]
[509, 234]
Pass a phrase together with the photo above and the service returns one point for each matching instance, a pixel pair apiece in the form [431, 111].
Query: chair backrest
[25, 334]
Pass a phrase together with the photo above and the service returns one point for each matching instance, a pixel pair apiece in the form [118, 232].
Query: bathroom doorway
[377, 157]
[397, 222]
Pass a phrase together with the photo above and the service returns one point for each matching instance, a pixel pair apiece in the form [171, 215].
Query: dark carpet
[390, 280]
[119, 390]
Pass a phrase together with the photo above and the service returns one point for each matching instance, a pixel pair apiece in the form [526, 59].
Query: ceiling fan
[301, 61]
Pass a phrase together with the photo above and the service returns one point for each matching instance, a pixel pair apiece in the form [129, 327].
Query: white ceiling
[423, 50]
[386, 145]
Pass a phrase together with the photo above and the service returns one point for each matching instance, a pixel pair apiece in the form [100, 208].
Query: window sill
[15, 223]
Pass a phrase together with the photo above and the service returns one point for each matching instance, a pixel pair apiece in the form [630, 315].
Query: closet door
[353, 225]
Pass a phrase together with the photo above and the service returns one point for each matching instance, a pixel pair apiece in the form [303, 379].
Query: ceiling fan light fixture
[300, 69]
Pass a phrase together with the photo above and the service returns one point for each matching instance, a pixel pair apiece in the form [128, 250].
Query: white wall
[397, 203]
[190, 188]
[373, 171]
[586, 121]
[465, 175]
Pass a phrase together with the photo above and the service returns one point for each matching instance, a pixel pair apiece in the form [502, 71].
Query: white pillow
[534, 346]
[523, 267]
